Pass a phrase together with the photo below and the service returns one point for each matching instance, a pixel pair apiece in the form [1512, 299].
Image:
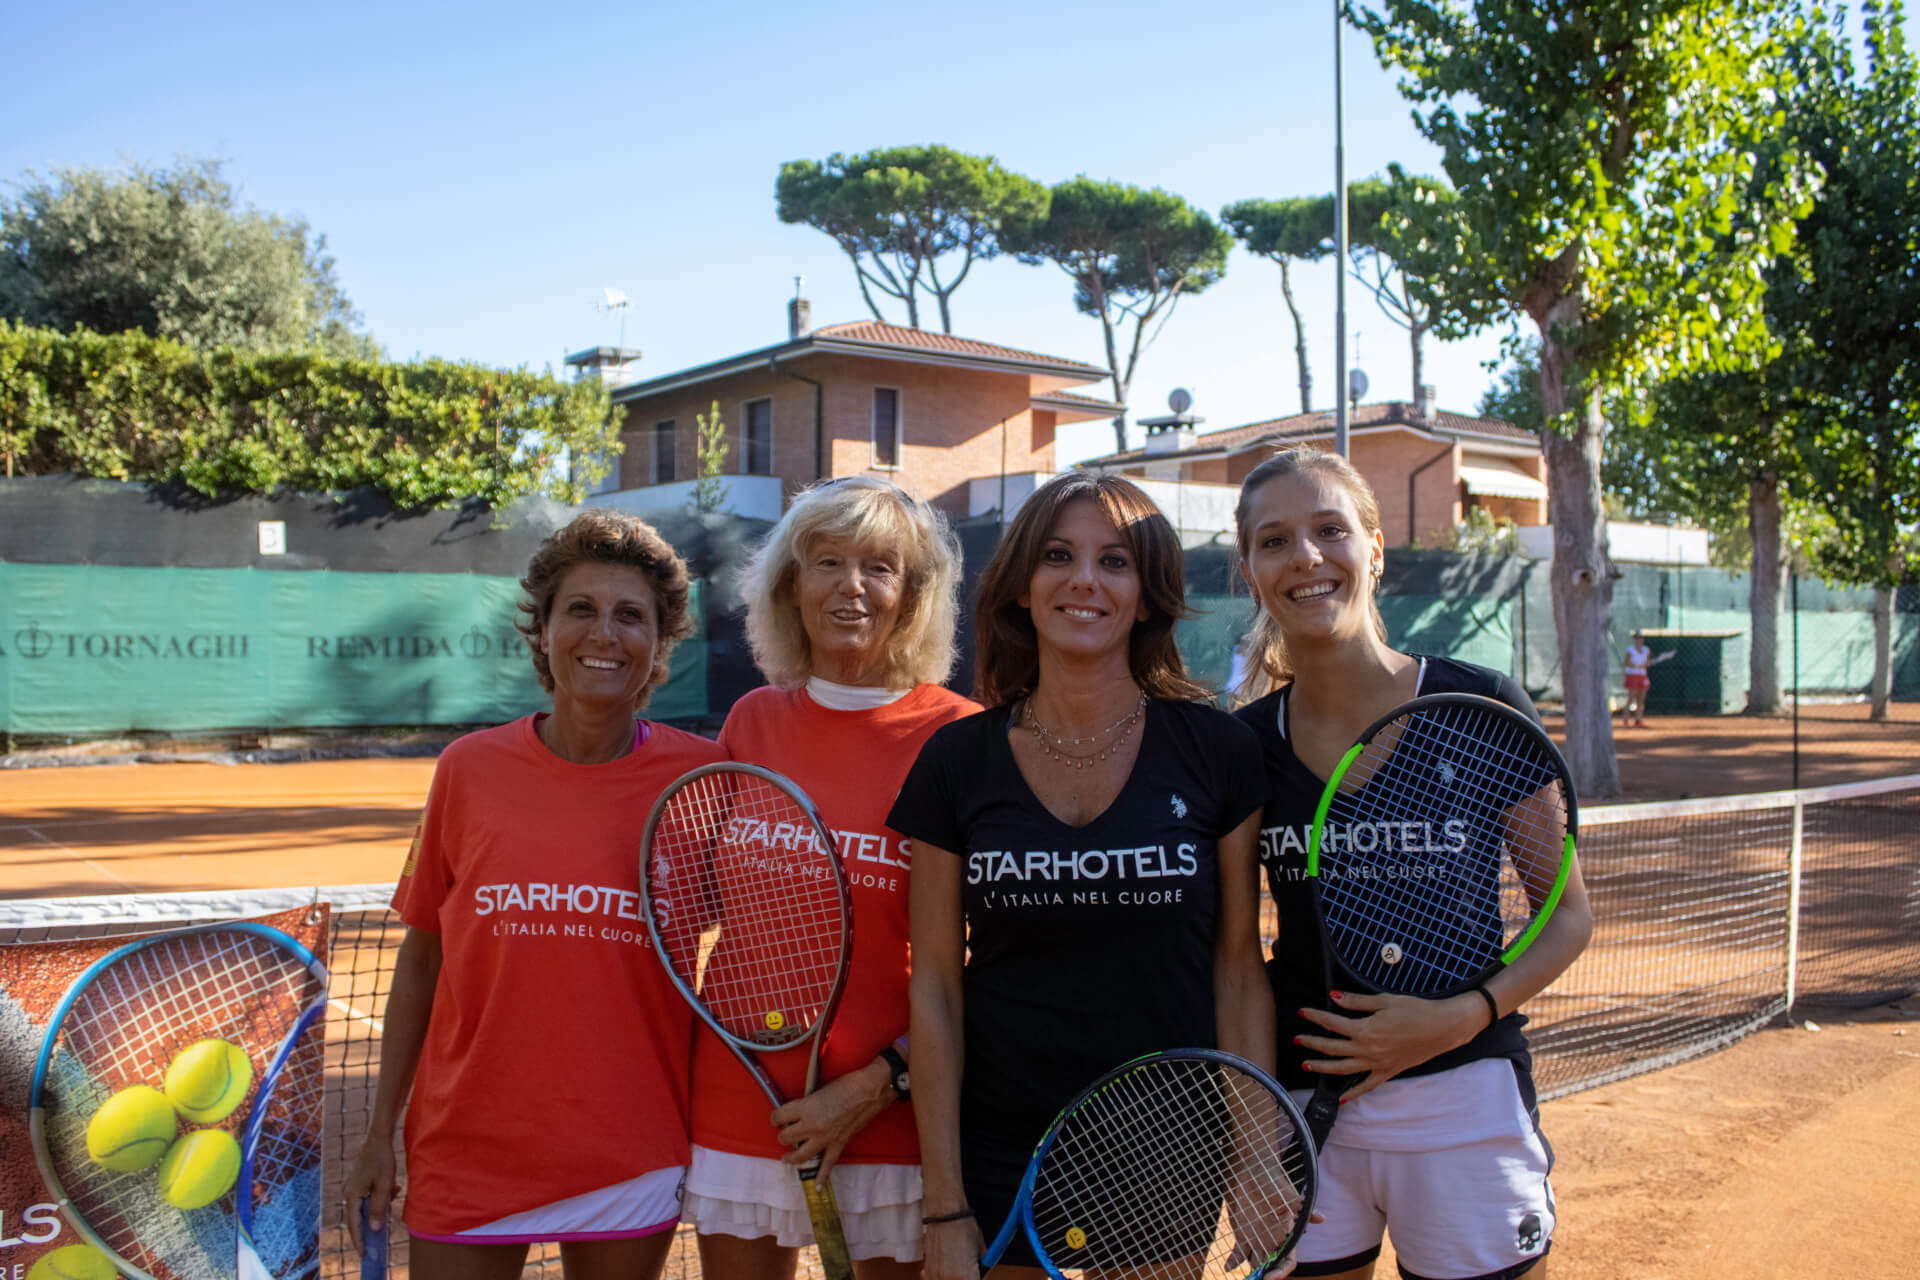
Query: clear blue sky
[481, 175]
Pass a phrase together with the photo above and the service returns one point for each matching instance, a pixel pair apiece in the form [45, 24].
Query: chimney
[799, 313]
[1423, 403]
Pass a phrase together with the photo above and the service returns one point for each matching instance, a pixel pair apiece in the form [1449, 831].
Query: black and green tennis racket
[1441, 846]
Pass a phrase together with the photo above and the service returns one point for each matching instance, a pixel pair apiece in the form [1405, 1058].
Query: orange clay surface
[144, 827]
[1790, 1154]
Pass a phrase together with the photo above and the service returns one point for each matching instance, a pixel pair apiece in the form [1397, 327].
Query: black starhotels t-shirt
[1089, 945]
[1297, 969]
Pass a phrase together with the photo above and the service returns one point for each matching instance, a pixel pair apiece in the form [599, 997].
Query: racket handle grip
[836, 1263]
[373, 1248]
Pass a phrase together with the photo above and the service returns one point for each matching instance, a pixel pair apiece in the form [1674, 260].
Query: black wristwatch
[898, 1066]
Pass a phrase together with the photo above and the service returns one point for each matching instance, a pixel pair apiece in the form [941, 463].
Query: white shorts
[1451, 1165]
[753, 1196]
[640, 1206]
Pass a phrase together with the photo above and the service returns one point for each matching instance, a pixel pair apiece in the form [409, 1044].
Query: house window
[663, 452]
[759, 435]
[886, 427]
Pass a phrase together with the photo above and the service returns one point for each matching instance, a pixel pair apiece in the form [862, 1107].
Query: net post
[1793, 899]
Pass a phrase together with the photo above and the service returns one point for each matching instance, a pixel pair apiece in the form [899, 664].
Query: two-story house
[940, 415]
[1428, 467]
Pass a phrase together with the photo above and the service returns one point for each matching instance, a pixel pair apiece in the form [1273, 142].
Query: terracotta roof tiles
[893, 335]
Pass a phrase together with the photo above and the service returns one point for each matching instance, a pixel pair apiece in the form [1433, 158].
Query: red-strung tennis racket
[748, 906]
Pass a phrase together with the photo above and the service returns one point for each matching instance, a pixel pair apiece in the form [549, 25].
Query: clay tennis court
[1789, 1153]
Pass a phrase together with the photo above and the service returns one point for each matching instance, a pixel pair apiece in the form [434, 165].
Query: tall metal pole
[1793, 591]
[1339, 244]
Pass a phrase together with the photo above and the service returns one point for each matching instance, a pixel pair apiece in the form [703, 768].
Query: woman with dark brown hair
[1083, 887]
[550, 1049]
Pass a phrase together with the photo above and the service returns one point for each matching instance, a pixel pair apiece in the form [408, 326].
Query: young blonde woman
[1084, 882]
[1437, 1142]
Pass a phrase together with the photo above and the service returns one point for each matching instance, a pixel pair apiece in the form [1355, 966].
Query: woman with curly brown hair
[1083, 887]
[550, 1049]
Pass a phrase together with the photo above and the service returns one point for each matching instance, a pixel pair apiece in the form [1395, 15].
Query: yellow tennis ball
[199, 1169]
[132, 1129]
[74, 1262]
[207, 1080]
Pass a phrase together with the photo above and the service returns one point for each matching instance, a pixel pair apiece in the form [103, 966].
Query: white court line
[358, 1015]
[89, 863]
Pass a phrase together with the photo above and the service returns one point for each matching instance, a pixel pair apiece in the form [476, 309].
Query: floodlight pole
[1339, 244]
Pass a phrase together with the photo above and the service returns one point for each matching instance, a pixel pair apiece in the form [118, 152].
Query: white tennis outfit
[1432, 1146]
[754, 1196]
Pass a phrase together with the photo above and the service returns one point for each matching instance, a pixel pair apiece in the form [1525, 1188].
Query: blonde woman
[1438, 1141]
[850, 610]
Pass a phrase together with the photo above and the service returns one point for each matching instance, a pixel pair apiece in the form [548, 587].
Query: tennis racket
[1190, 1163]
[747, 903]
[373, 1247]
[120, 1024]
[1441, 845]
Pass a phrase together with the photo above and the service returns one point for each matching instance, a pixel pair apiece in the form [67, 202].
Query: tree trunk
[1415, 332]
[1765, 579]
[1582, 576]
[1299, 340]
[1120, 386]
[1882, 692]
[946, 315]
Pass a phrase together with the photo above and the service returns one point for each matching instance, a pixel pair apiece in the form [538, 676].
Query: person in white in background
[1637, 659]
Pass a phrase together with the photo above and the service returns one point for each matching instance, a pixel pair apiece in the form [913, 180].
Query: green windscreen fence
[96, 649]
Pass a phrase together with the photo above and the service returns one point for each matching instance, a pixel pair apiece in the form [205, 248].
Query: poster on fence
[161, 1102]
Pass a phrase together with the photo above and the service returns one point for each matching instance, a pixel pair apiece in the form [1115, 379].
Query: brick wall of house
[792, 427]
[1386, 459]
[956, 424]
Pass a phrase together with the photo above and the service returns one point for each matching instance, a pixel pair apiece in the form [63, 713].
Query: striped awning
[1500, 480]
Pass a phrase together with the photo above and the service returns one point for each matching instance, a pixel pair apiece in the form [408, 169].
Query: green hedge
[126, 406]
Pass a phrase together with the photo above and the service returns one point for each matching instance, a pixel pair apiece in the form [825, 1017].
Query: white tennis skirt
[754, 1196]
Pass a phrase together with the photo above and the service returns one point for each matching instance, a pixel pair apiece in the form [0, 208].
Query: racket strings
[1179, 1166]
[748, 904]
[1447, 831]
[124, 1029]
[287, 1165]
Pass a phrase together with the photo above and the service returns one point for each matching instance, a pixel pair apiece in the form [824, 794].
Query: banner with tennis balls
[161, 1102]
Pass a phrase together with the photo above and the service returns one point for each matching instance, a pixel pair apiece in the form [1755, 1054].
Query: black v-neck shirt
[1088, 946]
[1297, 970]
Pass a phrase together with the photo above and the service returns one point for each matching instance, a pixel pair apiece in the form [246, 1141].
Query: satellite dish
[1179, 400]
[1356, 384]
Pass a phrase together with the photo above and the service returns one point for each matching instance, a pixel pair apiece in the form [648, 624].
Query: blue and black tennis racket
[1191, 1162]
[120, 1024]
[1441, 846]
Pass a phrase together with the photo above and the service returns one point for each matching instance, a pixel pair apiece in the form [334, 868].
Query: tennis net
[1713, 917]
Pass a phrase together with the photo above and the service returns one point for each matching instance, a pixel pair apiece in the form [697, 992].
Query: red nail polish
[1338, 995]
[1297, 1041]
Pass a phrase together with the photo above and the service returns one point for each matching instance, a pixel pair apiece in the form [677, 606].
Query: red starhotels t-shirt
[851, 764]
[555, 1061]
